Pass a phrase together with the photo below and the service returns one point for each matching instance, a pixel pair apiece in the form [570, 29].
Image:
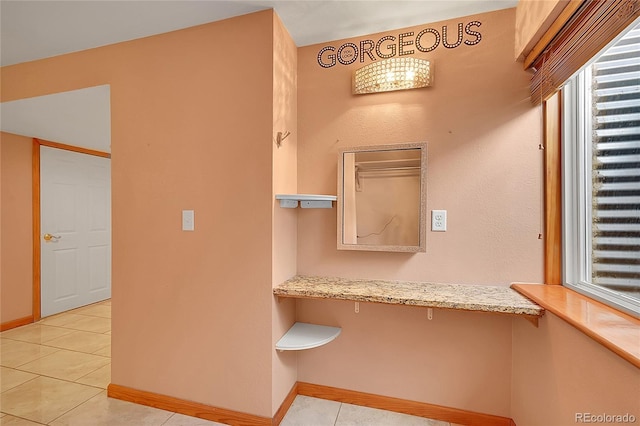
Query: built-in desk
[495, 299]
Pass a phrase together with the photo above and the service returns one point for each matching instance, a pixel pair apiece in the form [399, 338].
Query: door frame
[35, 156]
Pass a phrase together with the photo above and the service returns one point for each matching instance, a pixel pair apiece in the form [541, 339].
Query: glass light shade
[393, 74]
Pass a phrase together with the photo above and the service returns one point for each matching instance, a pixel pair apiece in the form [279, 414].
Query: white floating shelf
[306, 336]
[307, 201]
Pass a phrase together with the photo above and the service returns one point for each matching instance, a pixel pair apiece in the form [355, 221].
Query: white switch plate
[439, 220]
[188, 220]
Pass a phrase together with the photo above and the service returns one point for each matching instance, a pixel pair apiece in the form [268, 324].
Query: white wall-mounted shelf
[307, 201]
[307, 336]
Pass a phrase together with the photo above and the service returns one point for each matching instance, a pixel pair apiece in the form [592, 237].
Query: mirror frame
[422, 224]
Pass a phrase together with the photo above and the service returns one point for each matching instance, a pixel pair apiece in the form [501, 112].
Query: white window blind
[615, 121]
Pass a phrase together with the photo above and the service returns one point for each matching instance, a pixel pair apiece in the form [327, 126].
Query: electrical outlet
[439, 220]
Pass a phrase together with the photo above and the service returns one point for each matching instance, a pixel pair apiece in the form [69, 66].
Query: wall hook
[280, 137]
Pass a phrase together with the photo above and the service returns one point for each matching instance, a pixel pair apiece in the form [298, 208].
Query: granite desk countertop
[447, 296]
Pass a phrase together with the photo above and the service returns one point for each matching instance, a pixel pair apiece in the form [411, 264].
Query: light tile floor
[55, 372]
[307, 411]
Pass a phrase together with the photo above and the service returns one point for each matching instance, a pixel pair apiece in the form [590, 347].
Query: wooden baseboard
[414, 408]
[207, 412]
[188, 408]
[286, 404]
[16, 323]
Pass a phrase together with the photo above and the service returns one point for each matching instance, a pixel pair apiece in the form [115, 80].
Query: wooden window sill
[613, 329]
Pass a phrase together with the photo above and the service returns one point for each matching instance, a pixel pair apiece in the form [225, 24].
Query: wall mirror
[382, 197]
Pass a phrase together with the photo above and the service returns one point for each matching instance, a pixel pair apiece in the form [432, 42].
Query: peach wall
[284, 364]
[15, 247]
[458, 359]
[195, 109]
[484, 165]
[558, 372]
[533, 19]
[192, 121]
[484, 168]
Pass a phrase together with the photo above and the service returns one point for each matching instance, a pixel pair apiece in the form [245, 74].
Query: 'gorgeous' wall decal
[425, 41]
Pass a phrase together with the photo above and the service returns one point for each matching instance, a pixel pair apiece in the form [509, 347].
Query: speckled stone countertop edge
[473, 298]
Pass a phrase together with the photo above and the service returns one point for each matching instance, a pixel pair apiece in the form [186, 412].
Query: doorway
[72, 227]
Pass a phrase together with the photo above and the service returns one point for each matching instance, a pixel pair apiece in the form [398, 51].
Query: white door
[75, 225]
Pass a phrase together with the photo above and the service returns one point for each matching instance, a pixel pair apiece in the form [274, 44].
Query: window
[601, 179]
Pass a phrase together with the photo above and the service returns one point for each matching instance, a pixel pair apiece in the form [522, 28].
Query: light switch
[188, 220]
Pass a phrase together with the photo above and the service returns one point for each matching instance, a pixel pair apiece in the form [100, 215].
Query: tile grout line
[53, 353]
[58, 378]
[97, 350]
[100, 368]
[24, 418]
[62, 380]
[55, 378]
[61, 348]
[43, 323]
[17, 367]
[76, 313]
[166, 421]
[75, 350]
[66, 327]
[35, 323]
[337, 414]
[33, 378]
[68, 411]
[44, 343]
[56, 349]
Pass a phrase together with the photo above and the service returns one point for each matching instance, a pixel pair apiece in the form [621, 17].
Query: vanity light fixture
[393, 74]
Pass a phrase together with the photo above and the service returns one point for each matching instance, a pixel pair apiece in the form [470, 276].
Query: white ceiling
[31, 30]
[78, 117]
